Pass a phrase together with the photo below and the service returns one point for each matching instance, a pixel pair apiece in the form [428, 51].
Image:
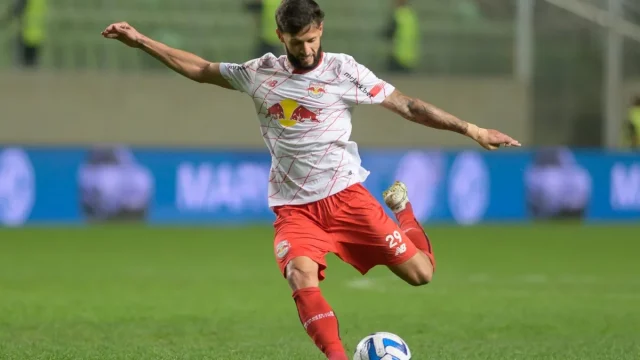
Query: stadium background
[102, 133]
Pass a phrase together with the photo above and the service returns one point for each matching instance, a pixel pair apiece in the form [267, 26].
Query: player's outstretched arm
[426, 114]
[182, 62]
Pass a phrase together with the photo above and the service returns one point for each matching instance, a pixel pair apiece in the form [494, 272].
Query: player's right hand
[123, 32]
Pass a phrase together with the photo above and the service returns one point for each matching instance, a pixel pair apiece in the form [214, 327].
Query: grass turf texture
[501, 292]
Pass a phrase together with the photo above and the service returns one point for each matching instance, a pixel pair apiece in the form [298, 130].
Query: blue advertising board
[46, 185]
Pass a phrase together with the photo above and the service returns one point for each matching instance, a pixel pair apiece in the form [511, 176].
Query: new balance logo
[401, 249]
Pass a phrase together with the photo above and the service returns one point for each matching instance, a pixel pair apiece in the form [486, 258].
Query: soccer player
[304, 102]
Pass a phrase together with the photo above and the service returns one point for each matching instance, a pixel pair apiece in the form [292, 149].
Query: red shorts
[351, 224]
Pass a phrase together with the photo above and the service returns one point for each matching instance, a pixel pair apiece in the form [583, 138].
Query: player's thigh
[367, 245]
[299, 244]
[367, 236]
[384, 243]
[387, 243]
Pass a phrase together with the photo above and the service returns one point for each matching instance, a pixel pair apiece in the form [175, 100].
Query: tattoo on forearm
[428, 115]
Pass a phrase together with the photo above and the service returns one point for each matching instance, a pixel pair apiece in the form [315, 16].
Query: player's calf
[396, 197]
[315, 313]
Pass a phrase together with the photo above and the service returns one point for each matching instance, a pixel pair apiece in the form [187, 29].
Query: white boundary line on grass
[391, 283]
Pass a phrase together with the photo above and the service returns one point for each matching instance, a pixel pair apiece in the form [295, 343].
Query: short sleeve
[361, 85]
[240, 76]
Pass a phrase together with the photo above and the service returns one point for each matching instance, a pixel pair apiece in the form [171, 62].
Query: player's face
[304, 49]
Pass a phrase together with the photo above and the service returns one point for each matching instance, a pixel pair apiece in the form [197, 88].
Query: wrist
[473, 131]
[142, 41]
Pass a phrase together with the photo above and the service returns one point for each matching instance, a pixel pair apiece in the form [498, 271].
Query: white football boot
[396, 196]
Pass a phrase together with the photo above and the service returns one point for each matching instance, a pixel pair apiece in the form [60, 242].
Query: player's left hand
[493, 139]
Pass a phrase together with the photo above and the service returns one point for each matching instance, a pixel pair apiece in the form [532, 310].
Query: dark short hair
[294, 16]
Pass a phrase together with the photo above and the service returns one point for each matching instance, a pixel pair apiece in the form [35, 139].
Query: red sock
[320, 322]
[415, 232]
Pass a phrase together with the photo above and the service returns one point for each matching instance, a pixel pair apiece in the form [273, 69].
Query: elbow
[203, 73]
[416, 110]
[409, 110]
[198, 75]
[413, 115]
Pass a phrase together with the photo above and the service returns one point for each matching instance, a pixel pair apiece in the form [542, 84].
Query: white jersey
[306, 121]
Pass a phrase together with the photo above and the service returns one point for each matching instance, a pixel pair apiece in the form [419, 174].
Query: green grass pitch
[564, 292]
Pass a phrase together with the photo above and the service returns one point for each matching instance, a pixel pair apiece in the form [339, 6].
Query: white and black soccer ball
[382, 346]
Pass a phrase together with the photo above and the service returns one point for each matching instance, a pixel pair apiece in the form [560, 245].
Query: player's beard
[295, 62]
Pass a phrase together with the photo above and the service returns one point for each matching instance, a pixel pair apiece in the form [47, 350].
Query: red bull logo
[316, 90]
[288, 112]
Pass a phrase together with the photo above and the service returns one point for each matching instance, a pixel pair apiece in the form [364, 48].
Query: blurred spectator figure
[31, 16]
[265, 11]
[633, 124]
[404, 32]
[557, 186]
[113, 186]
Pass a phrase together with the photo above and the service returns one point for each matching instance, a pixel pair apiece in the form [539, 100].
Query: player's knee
[302, 272]
[420, 275]
[416, 271]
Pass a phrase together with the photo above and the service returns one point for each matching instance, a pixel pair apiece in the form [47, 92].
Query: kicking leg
[419, 269]
[416, 271]
[316, 315]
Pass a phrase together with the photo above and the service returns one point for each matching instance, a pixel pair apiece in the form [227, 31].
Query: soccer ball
[382, 346]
